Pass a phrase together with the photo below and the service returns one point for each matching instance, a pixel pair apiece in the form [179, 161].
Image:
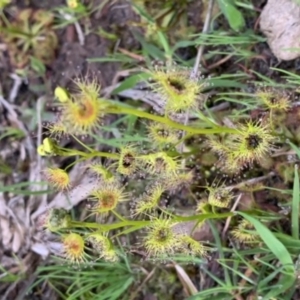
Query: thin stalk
[168, 122]
[197, 63]
[204, 30]
[119, 216]
[121, 224]
[107, 227]
[82, 144]
[63, 152]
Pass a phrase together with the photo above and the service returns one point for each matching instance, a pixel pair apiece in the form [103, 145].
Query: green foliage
[233, 15]
[30, 38]
[101, 281]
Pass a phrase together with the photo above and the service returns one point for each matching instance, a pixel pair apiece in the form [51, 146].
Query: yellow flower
[41, 151]
[61, 94]
[107, 197]
[58, 178]
[74, 248]
[82, 113]
[73, 3]
[48, 147]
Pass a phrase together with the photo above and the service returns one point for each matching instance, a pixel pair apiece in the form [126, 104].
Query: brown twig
[16, 87]
[194, 72]
[236, 203]
[204, 30]
[135, 293]
[219, 62]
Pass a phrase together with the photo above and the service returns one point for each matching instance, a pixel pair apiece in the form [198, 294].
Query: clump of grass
[30, 35]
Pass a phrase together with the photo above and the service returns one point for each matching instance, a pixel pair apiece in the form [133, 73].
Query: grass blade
[220, 250]
[276, 247]
[295, 206]
[287, 276]
[232, 14]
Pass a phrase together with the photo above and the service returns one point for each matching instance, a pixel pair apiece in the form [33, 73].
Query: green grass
[100, 281]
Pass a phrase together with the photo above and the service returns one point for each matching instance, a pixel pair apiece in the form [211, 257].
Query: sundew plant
[206, 158]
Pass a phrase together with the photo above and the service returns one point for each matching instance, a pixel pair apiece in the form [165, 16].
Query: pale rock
[280, 22]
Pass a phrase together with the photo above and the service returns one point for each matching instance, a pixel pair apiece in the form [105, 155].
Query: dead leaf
[185, 280]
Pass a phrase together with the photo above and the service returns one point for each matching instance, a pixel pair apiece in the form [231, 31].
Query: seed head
[219, 196]
[57, 130]
[102, 172]
[149, 200]
[241, 233]
[160, 163]
[57, 219]
[161, 239]
[74, 248]
[274, 99]
[103, 247]
[161, 135]
[190, 246]
[127, 164]
[253, 142]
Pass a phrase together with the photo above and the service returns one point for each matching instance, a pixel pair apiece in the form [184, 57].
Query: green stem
[75, 162]
[142, 114]
[271, 121]
[202, 217]
[82, 144]
[107, 227]
[119, 216]
[121, 224]
[68, 152]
